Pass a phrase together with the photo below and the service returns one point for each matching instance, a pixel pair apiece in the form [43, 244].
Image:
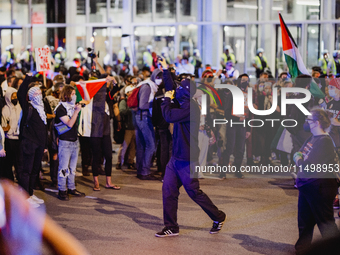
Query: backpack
[132, 101]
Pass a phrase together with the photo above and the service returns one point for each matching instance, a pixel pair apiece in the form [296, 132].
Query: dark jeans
[86, 153]
[315, 206]
[12, 148]
[236, 138]
[32, 154]
[165, 150]
[101, 146]
[177, 174]
[54, 164]
[145, 142]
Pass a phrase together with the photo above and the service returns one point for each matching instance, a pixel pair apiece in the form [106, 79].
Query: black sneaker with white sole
[167, 232]
[217, 226]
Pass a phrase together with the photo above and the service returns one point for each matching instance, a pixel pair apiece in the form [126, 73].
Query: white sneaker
[37, 200]
[32, 202]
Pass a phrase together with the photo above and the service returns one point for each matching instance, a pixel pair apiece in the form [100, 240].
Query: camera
[91, 54]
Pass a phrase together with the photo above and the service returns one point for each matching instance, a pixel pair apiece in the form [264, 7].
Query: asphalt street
[261, 216]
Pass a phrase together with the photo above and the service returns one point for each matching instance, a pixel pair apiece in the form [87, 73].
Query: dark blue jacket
[186, 119]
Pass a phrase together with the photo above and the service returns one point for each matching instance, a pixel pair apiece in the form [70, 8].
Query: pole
[44, 78]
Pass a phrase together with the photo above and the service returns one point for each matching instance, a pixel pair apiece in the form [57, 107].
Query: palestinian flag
[91, 121]
[294, 60]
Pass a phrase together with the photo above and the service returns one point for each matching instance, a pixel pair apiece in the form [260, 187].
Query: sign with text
[42, 58]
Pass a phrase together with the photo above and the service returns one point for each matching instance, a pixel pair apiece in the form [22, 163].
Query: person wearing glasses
[315, 164]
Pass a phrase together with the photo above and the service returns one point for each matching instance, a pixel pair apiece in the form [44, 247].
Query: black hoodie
[185, 115]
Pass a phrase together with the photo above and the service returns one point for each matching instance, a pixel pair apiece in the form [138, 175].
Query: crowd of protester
[40, 119]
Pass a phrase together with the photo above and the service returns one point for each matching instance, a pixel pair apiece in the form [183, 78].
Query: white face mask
[74, 99]
[158, 81]
[261, 88]
[332, 92]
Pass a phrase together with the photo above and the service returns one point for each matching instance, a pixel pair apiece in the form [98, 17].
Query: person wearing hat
[260, 62]
[129, 143]
[147, 57]
[334, 64]
[196, 61]
[227, 56]
[184, 112]
[323, 61]
[231, 72]
[33, 135]
[59, 58]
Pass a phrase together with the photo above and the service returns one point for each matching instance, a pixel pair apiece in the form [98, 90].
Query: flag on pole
[294, 60]
[91, 121]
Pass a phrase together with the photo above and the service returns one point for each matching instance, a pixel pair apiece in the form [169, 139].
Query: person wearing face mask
[185, 66]
[317, 189]
[162, 129]
[184, 112]
[145, 136]
[236, 134]
[33, 136]
[68, 146]
[10, 117]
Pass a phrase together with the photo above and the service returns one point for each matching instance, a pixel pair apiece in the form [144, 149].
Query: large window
[189, 11]
[143, 11]
[165, 11]
[296, 9]
[5, 12]
[102, 41]
[160, 38]
[116, 11]
[20, 12]
[39, 12]
[98, 11]
[242, 10]
[188, 38]
[313, 35]
[234, 36]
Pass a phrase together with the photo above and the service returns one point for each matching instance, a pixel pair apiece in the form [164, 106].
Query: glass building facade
[174, 26]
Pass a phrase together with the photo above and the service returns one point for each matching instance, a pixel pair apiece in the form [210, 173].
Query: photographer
[317, 189]
[185, 115]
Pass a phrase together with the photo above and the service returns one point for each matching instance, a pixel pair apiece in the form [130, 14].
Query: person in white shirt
[185, 66]
[232, 73]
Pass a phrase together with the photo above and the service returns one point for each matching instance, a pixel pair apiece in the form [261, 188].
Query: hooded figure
[180, 170]
[11, 114]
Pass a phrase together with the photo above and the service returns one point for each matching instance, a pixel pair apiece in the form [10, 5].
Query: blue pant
[68, 157]
[145, 143]
[177, 173]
